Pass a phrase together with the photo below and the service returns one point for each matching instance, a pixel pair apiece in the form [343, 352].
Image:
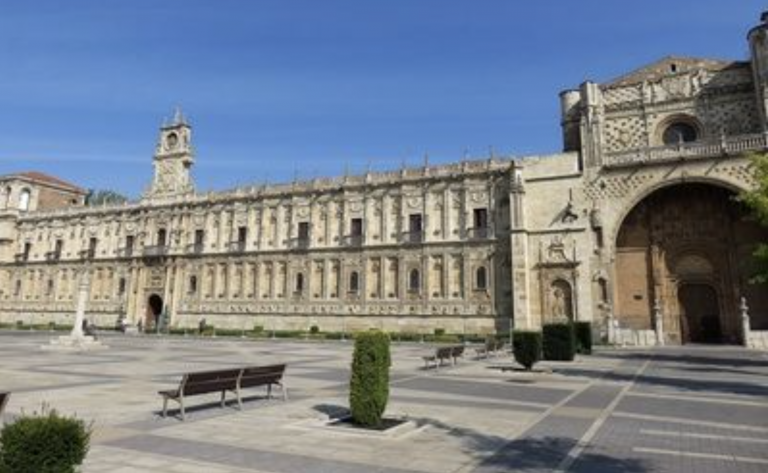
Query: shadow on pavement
[530, 453]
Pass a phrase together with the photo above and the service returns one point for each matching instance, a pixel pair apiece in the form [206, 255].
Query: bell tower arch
[173, 159]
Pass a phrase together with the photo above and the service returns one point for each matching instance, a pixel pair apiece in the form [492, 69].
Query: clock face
[172, 140]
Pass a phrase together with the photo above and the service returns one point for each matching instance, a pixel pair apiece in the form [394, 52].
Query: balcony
[353, 241]
[236, 246]
[126, 252]
[52, 256]
[88, 254]
[301, 243]
[195, 248]
[723, 146]
[479, 233]
[413, 238]
[155, 251]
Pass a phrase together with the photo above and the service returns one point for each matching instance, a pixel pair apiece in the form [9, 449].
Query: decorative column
[658, 319]
[745, 323]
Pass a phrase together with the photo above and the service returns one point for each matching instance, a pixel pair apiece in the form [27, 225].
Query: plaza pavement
[690, 409]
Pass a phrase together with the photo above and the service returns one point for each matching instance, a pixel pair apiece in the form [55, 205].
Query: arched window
[679, 132]
[481, 278]
[414, 280]
[300, 282]
[354, 281]
[603, 285]
[24, 199]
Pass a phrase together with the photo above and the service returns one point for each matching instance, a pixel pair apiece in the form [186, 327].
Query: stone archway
[699, 313]
[688, 246]
[154, 310]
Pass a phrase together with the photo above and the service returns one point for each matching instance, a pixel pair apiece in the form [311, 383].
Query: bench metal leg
[285, 391]
[269, 391]
[165, 406]
[181, 404]
[223, 398]
[239, 399]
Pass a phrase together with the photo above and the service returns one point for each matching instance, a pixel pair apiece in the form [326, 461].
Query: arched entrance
[699, 313]
[154, 309]
[688, 246]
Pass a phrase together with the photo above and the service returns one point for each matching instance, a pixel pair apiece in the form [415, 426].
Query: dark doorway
[154, 309]
[700, 314]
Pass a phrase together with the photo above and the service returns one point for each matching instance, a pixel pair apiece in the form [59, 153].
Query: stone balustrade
[723, 146]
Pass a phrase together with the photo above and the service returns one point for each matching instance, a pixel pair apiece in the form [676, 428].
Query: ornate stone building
[633, 226]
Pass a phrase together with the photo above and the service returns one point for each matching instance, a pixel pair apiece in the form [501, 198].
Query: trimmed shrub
[43, 443]
[559, 342]
[314, 330]
[439, 332]
[583, 331]
[526, 346]
[258, 329]
[369, 383]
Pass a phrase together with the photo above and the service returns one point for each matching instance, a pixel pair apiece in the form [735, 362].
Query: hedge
[43, 443]
[369, 383]
[526, 346]
[583, 331]
[559, 342]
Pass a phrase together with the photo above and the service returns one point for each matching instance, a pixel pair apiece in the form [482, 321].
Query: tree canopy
[104, 196]
[757, 201]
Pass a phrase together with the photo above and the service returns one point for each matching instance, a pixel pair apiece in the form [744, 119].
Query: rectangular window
[27, 251]
[92, 245]
[303, 231]
[414, 223]
[161, 237]
[481, 218]
[199, 237]
[58, 248]
[129, 244]
[242, 234]
[356, 229]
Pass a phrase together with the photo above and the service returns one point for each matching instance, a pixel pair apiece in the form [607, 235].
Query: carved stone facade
[636, 213]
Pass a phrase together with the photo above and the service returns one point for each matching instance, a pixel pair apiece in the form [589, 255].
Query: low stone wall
[284, 322]
[633, 338]
[758, 339]
[347, 323]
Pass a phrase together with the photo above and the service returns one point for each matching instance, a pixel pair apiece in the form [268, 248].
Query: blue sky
[282, 88]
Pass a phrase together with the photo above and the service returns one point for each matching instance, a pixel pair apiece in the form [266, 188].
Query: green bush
[288, 334]
[43, 443]
[314, 330]
[442, 338]
[583, 331]
[439, 332]
[559, 342]
[526, 347]
[369, 383]
[258, 329]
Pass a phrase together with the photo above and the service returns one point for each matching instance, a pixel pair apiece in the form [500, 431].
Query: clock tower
[173, 159]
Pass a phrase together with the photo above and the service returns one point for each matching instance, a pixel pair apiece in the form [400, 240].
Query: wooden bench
[450, 353]
[3, 401]
[256, 376]
[491, 347]
[233, 380]
[456, 353]
[204, 382]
